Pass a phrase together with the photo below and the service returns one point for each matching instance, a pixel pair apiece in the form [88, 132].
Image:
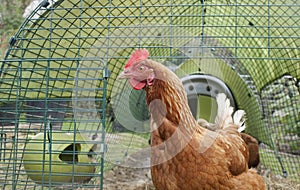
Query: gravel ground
[128, 178]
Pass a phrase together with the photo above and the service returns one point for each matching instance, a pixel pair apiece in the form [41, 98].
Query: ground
[140, 179]
[129, 178]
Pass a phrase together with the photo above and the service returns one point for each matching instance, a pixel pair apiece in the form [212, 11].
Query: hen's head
[138, 70]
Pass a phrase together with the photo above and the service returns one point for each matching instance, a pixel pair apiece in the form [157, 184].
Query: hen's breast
[190, 168]
[182, 158]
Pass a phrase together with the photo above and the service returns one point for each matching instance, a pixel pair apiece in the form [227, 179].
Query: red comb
[136, 56]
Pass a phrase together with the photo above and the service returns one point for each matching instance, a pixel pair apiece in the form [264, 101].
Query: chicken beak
[123, 75]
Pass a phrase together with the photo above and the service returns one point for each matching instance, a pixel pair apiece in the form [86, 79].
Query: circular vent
[201, 92]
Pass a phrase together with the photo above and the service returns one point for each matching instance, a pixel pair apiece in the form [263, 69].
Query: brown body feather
[253, 147]
[206, 160]
[251, 142]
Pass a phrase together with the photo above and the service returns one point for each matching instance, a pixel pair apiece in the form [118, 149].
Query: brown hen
[184, 155]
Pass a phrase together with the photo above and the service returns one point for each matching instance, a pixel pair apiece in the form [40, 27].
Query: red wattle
[137, 85]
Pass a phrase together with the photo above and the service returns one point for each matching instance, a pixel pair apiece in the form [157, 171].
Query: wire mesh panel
[50, 113]
[281, 108]
[61, 104]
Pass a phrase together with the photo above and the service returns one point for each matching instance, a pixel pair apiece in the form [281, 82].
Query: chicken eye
[141, 68]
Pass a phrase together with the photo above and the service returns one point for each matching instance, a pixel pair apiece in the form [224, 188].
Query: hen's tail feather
[239, 119]
[242, 128]
[224, 113]
[224, 116]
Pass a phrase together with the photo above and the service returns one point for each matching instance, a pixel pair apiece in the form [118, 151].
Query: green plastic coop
[65, 118]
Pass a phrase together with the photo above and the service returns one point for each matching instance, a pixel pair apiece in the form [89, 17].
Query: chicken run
[68, 121]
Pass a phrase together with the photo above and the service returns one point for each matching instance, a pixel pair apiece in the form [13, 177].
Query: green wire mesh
[59, 96]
